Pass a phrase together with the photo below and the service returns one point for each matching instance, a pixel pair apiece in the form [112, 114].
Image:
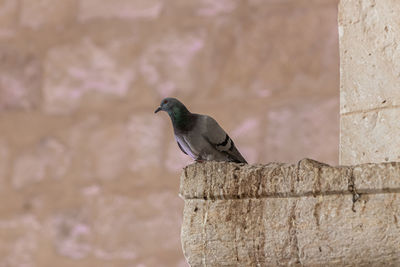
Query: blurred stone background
[89, 176]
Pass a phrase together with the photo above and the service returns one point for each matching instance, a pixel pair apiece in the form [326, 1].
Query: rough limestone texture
[369, 37]
[307, 213]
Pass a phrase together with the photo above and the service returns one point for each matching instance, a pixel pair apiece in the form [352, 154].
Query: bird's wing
[220, 140]
[181, 147]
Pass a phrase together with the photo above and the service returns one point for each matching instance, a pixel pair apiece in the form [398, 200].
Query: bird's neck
[181, 118]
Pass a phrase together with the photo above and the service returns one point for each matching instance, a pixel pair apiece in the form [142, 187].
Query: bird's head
[170, 105]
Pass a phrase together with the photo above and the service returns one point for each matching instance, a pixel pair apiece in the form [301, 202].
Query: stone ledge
[307, 213]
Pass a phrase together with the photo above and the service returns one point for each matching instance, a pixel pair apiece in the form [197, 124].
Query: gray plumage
[199, 136]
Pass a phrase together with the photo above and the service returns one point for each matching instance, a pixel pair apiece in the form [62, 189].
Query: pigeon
[199, 136]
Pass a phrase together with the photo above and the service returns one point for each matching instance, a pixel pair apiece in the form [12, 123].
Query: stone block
[19, 240]
[8, 18]
[123, 238]
[247, 66]
[369, 33]
[119, 9]
[307, 213]
[375, 178]
[167, 62]
[4, 163]
[73, 71]
[20, 79]
[370, 137]
[145, 138]
[47, 159]
[35, 14]
[117, 147]
[70, 234]
[314, 178]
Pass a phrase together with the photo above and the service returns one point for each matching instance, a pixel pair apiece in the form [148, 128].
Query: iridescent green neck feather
[180, 117]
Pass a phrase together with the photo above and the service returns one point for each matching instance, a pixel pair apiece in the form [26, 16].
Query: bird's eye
[165, 102]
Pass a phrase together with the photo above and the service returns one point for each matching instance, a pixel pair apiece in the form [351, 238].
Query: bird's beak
[157, 110]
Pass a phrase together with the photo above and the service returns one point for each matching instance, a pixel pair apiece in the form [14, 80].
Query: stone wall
[88, 174]
[369, 33]
[309, 213]
[304, 214]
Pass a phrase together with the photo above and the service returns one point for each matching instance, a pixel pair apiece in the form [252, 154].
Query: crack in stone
[317, 182]
[356, 194]
[293, 233]
[185, 173]
[204, 235]
[369, 110]
[353, 191]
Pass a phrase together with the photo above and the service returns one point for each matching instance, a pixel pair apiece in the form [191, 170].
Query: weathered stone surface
[74, 70]
[47, 13]
[4, 161]
[20, 78]
[112, 157]
[20, 240]
[177, 49]
[314, 131]
[8, 18]
[228, 181]
[113, 149]
[144, 136]
[376, 178]
[122, 239]
[108, 227]
[370, 136]
[70, 234]
[307, 213]
[48, 159]
[122, 9]
[237, 72]
[369, 34]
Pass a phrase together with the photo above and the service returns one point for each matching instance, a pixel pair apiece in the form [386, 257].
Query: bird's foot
[199, 160]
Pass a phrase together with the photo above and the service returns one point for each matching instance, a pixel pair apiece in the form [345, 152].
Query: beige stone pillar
[369, 34]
